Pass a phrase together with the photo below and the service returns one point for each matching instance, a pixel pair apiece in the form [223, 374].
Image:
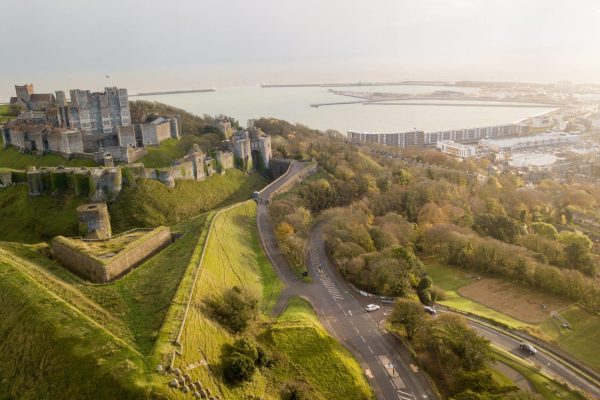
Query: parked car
[528, 348]
[430, 310]
[372, 307]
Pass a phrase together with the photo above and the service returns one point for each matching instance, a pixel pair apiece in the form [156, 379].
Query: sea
[293, 104]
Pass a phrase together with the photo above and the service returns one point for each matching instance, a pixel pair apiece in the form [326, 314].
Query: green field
[580, 341]
[162, 155]
[451, 279]
[234, 257]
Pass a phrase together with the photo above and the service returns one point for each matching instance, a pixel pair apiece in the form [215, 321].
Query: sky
[180, 44]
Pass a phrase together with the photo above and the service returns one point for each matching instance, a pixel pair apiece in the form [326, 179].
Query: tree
[238, 368]
[497, 226]
[235, 309]
[410, 316]
[423, 290]
[545, 229]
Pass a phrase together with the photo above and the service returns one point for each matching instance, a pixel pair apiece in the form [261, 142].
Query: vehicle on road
[430, 310]
[528, 348]
[372, 307]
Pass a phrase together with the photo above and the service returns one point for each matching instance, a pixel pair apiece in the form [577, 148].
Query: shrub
[235, 309]
[238, 368]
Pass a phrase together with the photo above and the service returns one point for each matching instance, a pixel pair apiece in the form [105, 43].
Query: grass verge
[326, 367]
[548, 388]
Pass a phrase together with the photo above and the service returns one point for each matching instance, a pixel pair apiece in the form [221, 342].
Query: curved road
[384, 359]
[386, 363]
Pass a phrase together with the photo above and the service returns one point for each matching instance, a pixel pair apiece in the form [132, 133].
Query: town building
[456, 149]
[528, 143]
[398, 139]
[421, 138]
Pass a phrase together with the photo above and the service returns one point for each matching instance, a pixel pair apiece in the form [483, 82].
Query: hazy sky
[157, 44]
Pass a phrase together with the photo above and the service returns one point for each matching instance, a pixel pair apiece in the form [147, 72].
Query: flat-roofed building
[528, 143]
[456, 149]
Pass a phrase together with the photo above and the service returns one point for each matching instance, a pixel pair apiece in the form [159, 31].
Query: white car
[372, 307]
[528, 348]
[430, 310]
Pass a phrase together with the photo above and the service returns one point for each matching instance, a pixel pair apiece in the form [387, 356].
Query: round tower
[94, 221]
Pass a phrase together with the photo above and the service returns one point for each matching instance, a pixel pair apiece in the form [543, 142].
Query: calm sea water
[293, 104]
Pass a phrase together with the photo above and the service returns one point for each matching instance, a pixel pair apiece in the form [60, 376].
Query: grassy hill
[308, 350]
[35, 219]
[66, 338]
[162, 155]
[151, 203]
[301, 347]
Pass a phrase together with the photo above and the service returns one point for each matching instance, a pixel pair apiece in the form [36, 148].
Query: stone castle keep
[90, 125]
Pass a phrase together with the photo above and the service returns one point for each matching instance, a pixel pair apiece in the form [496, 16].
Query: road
[342, 312]
[386, 363]
[542, 359]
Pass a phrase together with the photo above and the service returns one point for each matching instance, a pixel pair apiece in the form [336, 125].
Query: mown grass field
[162, 155]
[580, 341]
[234, 257]
[451, 279]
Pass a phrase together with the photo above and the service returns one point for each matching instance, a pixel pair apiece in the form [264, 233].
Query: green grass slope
[139, 301]
[34, 219]
[10, 157]
[325, 366]
[152, 204]
[162, 155]
[234, 257]
[50, 349]
[62, 337]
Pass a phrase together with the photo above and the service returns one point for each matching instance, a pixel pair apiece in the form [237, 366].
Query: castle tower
[24, 92]
[94, 221]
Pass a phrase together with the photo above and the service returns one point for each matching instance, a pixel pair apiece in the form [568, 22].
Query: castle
[251, 148]
[92, 125]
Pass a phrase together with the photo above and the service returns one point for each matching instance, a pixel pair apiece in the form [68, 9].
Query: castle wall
[103, 271]
[82, 264]
[126, 135]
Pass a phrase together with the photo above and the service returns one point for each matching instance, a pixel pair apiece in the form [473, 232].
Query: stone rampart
[71, 255]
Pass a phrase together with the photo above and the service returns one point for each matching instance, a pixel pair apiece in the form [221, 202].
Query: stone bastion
[103, 260]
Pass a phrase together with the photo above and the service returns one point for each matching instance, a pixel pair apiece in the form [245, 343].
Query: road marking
[406, 394]
[370, 349]
[356, 330]
[363, 339]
